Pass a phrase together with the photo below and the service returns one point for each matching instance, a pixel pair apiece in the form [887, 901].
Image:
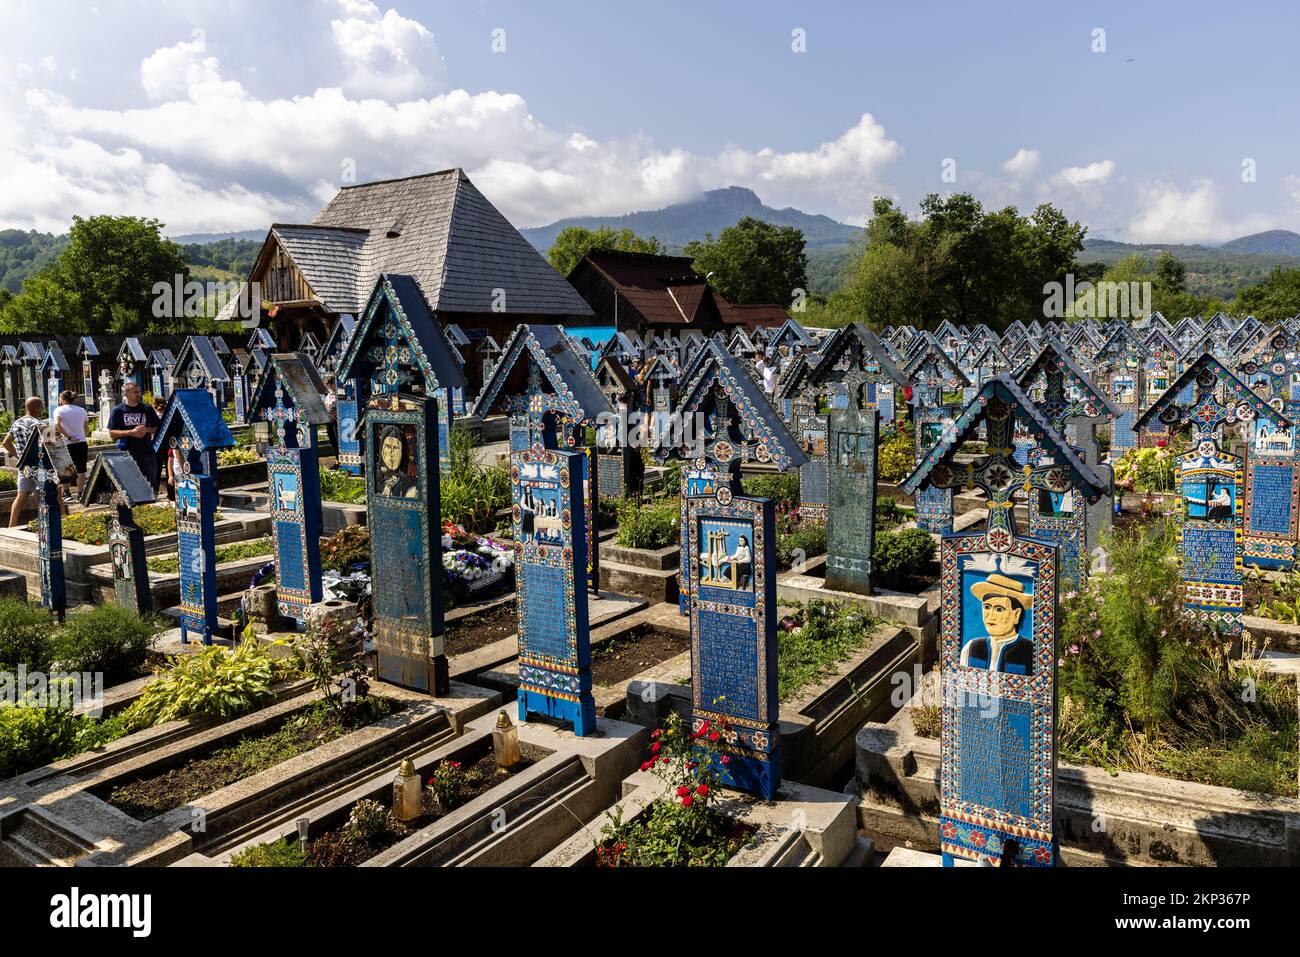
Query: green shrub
[648, 526]
[215, 681]
[897, 457]
[32, 737]
[237, 455]
[282, 853]
[781, 487]
[338, 486]
[803, 540]
[26, 635]
[901, 557]
[107, 638]
[471, 496]
[890, 514]
[348, 546]
[8, 481]
[1145, 470]
[1145, 688]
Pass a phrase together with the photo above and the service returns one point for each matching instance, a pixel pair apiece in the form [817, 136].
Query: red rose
[646, 765]
[654, 748]
[701, 789]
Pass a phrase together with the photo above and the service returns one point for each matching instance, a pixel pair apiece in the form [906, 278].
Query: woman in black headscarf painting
[395, 479]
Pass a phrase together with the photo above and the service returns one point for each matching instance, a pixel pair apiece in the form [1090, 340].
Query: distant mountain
[202, 239]
[1277, 242]
[677, 225]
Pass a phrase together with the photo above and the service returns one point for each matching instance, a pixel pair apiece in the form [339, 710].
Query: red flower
[702, 789]
[977, 838]
[656, 733]
[949, 830]
[691, 765]
[654, 748]
[683, 791]
[646, 765]
[713, 736]
[688, 801]
[725, 759]
[1043, 854]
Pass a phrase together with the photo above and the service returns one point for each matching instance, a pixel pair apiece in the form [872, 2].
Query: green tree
[1277, 297]
[574, 242]
[753, 262]
[962, 263]
[115, 261]
[46, 305]
[102, 281]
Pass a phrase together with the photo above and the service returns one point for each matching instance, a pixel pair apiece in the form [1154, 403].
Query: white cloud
[387, 54]
[1023, 164]
[171, 72]
[1087, 177]
[534, 174]
[1166, 213]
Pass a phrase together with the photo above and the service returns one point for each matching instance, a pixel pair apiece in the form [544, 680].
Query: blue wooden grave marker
[551, 397]
[192, 426]
[406, 541]
[998, 607]
[549, 515]
[399, 346]
[1211, 486]
[290, 402]
[729, 541]
[44, 459]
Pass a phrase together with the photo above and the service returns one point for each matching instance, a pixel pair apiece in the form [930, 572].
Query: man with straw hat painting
[1003, 649]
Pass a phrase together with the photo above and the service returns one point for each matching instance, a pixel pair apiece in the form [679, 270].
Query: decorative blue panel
[550, 518]
[733, 633]
[349, 450]
[405, 541]
[998, 658]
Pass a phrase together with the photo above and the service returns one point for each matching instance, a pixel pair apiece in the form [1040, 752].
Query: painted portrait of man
[1003, 604]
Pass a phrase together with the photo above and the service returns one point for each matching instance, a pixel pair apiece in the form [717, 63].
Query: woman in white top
[70, 419]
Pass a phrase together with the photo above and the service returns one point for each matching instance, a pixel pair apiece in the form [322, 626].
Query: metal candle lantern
[406, 792]
[505, 742]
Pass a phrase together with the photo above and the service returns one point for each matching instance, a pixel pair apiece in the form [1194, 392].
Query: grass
[91, 528]
[825, 634]
[237, 551]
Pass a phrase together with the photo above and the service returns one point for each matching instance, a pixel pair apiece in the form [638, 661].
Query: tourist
[70, 420]
[133, 424]
[331, 400]
[22, 431]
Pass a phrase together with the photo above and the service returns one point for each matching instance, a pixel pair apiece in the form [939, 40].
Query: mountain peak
[710, 212]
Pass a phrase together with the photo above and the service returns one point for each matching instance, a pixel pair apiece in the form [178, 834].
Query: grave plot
[675, 812]
[629, 648]
[836, 667]
[494, 817]
[1150, 819]
[154, 797]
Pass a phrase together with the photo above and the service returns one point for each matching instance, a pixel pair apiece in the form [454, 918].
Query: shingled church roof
[437, 228]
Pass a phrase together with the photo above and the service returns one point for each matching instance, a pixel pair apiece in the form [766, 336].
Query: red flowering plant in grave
[683, 827]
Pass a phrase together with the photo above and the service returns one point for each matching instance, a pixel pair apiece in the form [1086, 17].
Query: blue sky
[227, 114]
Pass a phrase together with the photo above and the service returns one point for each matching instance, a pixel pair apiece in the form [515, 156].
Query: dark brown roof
[666, 291]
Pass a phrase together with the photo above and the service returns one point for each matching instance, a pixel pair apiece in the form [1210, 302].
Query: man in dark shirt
[133, 424]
